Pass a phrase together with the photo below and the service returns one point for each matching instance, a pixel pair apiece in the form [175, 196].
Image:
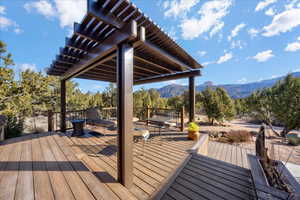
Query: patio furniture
[93, 117]
[160, 123]
[77, 127]
[141, 134]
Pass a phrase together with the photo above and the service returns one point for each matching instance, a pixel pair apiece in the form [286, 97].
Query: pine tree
[285, 104]
[226, 104]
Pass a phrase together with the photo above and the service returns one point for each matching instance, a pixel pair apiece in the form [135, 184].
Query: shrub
[223, 140]
[238, 136]
[213, 134]
[14, 127]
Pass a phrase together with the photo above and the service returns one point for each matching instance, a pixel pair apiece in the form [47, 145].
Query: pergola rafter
[116, 42]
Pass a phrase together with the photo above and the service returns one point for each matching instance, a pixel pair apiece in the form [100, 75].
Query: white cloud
[216, 29]
[275, 76]
[96, 87]
[291, 4]
[263, 4]
[225, 58]
[201, 53]
[253, 32]
[211, 14]
[67, 11]
[5, 23]
[207, 63]
[263, 56]
[298, 38]
[26, 66]
[70, 11]
[295, 46]
[2, 10]
[235, 31]
[270, 12]
[242, 81]
[172, 33]
[283, 22]
[42, 6]
[237, 44]
[18, 30]
[296, 70]
[178, 8]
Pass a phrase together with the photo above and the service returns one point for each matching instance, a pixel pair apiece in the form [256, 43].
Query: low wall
[201, 146]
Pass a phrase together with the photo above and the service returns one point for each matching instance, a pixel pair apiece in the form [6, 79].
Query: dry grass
[236, 136]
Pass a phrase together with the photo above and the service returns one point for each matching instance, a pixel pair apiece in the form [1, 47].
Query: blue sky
[238, 41]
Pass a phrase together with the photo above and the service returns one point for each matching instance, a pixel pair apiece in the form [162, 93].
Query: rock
[293, 138]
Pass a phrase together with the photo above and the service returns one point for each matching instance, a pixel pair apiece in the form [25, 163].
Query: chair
[93, 117]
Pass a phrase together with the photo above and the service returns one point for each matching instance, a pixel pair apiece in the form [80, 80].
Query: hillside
[234, 90]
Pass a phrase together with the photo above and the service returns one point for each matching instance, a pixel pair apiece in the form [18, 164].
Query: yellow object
[193, 135]
[193, 127]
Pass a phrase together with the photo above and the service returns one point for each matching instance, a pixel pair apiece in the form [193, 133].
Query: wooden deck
[233, 154]
[56, 166]
[237, 154]
[207, 178]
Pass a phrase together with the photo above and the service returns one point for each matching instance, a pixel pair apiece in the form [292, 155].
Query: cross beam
[168, 77]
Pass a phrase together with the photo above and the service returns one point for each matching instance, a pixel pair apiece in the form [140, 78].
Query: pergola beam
[78, 30]
[168, 77]
[103, 15]
[154, 48]
[153, 64]
[128, 32]
[165, 55]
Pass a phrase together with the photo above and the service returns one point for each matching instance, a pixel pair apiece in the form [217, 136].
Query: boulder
[293, 138]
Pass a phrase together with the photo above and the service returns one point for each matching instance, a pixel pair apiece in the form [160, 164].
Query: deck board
[56, 166]
[25, 188]
[207, 178]
[42, 185]
[10, 173]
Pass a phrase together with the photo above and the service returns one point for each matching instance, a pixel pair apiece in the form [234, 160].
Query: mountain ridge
[234, 90]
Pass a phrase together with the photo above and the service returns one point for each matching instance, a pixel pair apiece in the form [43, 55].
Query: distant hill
[234, 90]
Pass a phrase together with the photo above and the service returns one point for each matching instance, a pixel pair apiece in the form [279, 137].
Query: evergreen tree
[285, 104]
[226, 104]
[211, 105]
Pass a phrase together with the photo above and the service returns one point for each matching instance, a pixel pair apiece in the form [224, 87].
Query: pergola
[116, 42]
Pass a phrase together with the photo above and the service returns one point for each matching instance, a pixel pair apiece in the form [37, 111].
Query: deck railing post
[50, 121]
[191, 99]
[147, 114]
[63, 106]
[182, 118]
[125, 113]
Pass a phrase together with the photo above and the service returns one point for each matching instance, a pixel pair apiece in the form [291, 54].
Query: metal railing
[140, 113]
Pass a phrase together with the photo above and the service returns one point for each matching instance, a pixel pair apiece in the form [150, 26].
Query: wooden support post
[192, 99]
[125, 113]
[147, 114]
[50, 121]
[182, 119]
[63, 106]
